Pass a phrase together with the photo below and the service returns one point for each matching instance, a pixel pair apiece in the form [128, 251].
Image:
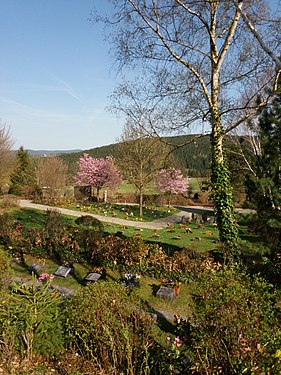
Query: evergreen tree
[23, 177]
[264, 189]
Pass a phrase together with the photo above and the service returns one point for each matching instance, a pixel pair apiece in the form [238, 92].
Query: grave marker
[62, 271]
[166, 293]
[35, 267]
[92, 277]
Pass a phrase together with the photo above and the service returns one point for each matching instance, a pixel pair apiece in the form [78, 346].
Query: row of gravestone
[64, 271]
[198, 220]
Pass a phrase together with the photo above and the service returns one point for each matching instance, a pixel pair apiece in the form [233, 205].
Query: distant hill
[194, 158]
[51, 152]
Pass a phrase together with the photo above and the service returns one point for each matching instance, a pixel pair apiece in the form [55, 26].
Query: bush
[236, 326]
[107, 326]
[8, 201]
[57, 239]
[5, 269]
[90, 231]
[32, 320]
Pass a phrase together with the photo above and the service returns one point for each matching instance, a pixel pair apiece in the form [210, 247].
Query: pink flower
[168, 338]
[45, 277]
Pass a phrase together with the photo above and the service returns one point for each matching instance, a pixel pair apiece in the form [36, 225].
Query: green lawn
[128, 212]
[203, 237]
[126, 188]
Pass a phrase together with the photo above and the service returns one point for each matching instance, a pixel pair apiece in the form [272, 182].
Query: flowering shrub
[45, 277]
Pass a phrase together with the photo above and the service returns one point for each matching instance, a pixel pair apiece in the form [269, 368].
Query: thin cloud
[66, 87]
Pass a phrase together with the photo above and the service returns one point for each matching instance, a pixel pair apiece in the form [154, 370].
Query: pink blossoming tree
[100, 173]
[171, 181]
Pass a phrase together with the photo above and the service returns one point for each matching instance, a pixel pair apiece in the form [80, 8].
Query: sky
[56, 76]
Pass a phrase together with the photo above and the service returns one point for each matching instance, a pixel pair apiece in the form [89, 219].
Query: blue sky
[55, 75]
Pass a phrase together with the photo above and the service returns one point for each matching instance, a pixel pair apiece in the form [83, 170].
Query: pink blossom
[171, 181]
[168, 338]
[98, 172]
[45, 276]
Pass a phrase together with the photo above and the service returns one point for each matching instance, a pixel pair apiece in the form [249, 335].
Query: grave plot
[35, 267]
[166, 293]
[91, 277]
[62, 271]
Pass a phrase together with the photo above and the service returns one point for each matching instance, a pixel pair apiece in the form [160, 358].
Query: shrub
[90, 231]
[236, 327]
[112, 331]
[57, 239]
[5, 269]
[32, 320]
[8, 201]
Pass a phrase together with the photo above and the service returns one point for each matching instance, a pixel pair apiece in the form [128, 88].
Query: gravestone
[197, 220]
[35, 267]
[166, 293]
[92, 277]
[212, 220]
[204, 217]
[62, 271]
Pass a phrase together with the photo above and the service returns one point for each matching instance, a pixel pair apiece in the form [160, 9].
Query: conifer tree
[264, 188]
[23, 176]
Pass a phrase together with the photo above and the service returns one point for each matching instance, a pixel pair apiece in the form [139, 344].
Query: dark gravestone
[166, 293]
[62, 271]
[92, 277]
[35, 267]
[204, 217]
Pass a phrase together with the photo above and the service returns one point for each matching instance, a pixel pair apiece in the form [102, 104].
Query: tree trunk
[169, 199]
[141, 201]
[221, 187]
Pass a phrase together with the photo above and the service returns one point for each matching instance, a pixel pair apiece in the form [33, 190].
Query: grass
[126, 188]
[128, 212]
[203, 237]
[148, 285]
[146, 291]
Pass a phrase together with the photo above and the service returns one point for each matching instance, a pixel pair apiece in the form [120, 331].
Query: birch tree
[196, 64]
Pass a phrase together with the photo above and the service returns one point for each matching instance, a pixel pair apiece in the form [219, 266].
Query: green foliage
[107, 326]
[236, 328]
[57, 240]
[264, 188]
[5, 269]
[23, 177]
[32, 319]
[90, 231]
[224, 205]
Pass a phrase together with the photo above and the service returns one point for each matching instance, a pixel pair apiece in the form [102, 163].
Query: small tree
[23, 176]
[98, 172]
[264, 185]
[139, 157]
[171, 181]
[90, 231]
[51, 173]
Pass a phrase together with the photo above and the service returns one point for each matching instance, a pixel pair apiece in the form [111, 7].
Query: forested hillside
[194, 158]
